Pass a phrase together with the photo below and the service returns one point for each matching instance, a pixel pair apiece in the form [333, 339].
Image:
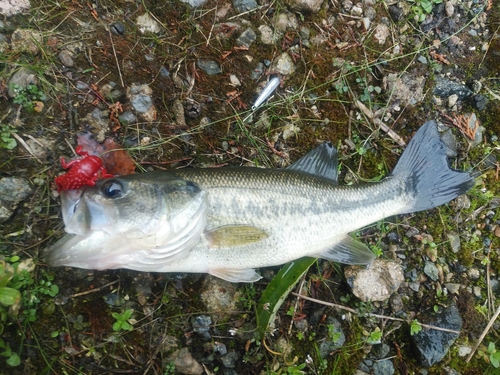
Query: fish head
[121, 216]
[130, 206]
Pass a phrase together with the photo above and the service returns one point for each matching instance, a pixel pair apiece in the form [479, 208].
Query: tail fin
[424, 165]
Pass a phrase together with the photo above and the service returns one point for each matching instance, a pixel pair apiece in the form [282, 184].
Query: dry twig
[461, 122]
[376, 121]
[373, 315]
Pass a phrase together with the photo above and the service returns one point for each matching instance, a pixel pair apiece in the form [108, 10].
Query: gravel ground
[175, 84]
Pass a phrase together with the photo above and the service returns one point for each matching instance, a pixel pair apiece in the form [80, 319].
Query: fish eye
[112, 189]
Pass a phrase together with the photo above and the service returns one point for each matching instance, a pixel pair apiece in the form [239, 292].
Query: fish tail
[424, 167]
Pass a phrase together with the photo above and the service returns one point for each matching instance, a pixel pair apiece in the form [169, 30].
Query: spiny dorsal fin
[321, 161]
[235, 235]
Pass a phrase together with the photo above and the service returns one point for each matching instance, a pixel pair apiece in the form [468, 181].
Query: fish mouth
[81, 213]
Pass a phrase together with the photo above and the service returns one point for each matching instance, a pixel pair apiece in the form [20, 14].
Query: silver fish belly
[229, 221]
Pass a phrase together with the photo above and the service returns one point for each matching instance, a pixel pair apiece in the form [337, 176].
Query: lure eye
[112, 189]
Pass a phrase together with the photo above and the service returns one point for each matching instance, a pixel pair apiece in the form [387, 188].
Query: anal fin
[349, 251]
[236, 275]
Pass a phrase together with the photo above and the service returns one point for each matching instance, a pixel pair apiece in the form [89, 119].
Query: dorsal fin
[321, 161]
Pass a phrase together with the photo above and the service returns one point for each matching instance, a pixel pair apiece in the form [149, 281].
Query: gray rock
[201, 324]
[286, 21]
[380, 351]
[246, 38]
[305, 33]
[66, 57]
[24, 40]
[141, 101]
[473, 273]
[99, 120]
[185, 363]
[445, 88]
[479, 102]
[431, 270]
[450, 143]
[244, 5]
[209, 66]
[453, 288]
[230, 358]
[194, 3]
[384, 367]
[21, 78]
[449, 8]
[454, 241]
[305, 5]
[396, 302]
[381, 33]
[127, 118]
[219, 296]
[12, 7]
[370, 13]
[406, 89]
[179, 114]
[267, 35]
[422, 59]
[12, 192]
[432, 345]
[396, 13]
[376, 282]
[284, 64]
[41, 147]
[118, 28]
[164, 72]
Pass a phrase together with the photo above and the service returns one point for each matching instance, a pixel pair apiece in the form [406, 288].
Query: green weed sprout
[6, 140]
[122, 321]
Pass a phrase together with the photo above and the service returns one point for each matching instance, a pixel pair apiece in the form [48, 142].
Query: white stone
[284, 64]
[146, 24]
[452, 100]
[375, 282]
[11, 7]
[234, 81]
[381, 33]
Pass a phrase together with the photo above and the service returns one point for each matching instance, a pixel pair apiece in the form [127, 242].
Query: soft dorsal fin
[349, 251]
[235, 235]
[321, 161]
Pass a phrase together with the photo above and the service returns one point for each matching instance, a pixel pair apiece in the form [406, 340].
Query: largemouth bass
[229, 221]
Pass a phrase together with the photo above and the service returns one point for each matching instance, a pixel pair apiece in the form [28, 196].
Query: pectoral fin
[236, 275]
[235, 235]
[349, 251]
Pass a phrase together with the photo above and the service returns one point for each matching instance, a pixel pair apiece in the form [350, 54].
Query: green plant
[333, 333]
[123, 321]
[27, 96]
[494, 355]
[169, 369]
[415, 327]
[296, 369]
[421, 8]
[247, 298]
[6, 140]
[490, 355]
[374, 337]
[8, 297]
